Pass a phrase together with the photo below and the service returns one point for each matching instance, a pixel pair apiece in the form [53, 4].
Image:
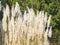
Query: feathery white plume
[50, 32]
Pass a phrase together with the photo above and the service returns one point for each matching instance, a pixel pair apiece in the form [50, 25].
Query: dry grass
[29, 29]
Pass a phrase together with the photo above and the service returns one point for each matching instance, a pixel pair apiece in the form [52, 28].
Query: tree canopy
[52, 7]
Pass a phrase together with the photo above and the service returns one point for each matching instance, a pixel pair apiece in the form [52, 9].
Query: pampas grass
[25, 29]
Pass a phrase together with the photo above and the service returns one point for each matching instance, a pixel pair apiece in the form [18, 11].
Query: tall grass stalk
[25, 29]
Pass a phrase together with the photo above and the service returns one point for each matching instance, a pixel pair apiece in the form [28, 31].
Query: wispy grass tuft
[25, 29]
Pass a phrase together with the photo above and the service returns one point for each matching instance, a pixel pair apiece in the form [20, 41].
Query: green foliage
[50, 6]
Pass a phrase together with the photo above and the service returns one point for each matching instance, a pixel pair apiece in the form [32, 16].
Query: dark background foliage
[52, 7]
